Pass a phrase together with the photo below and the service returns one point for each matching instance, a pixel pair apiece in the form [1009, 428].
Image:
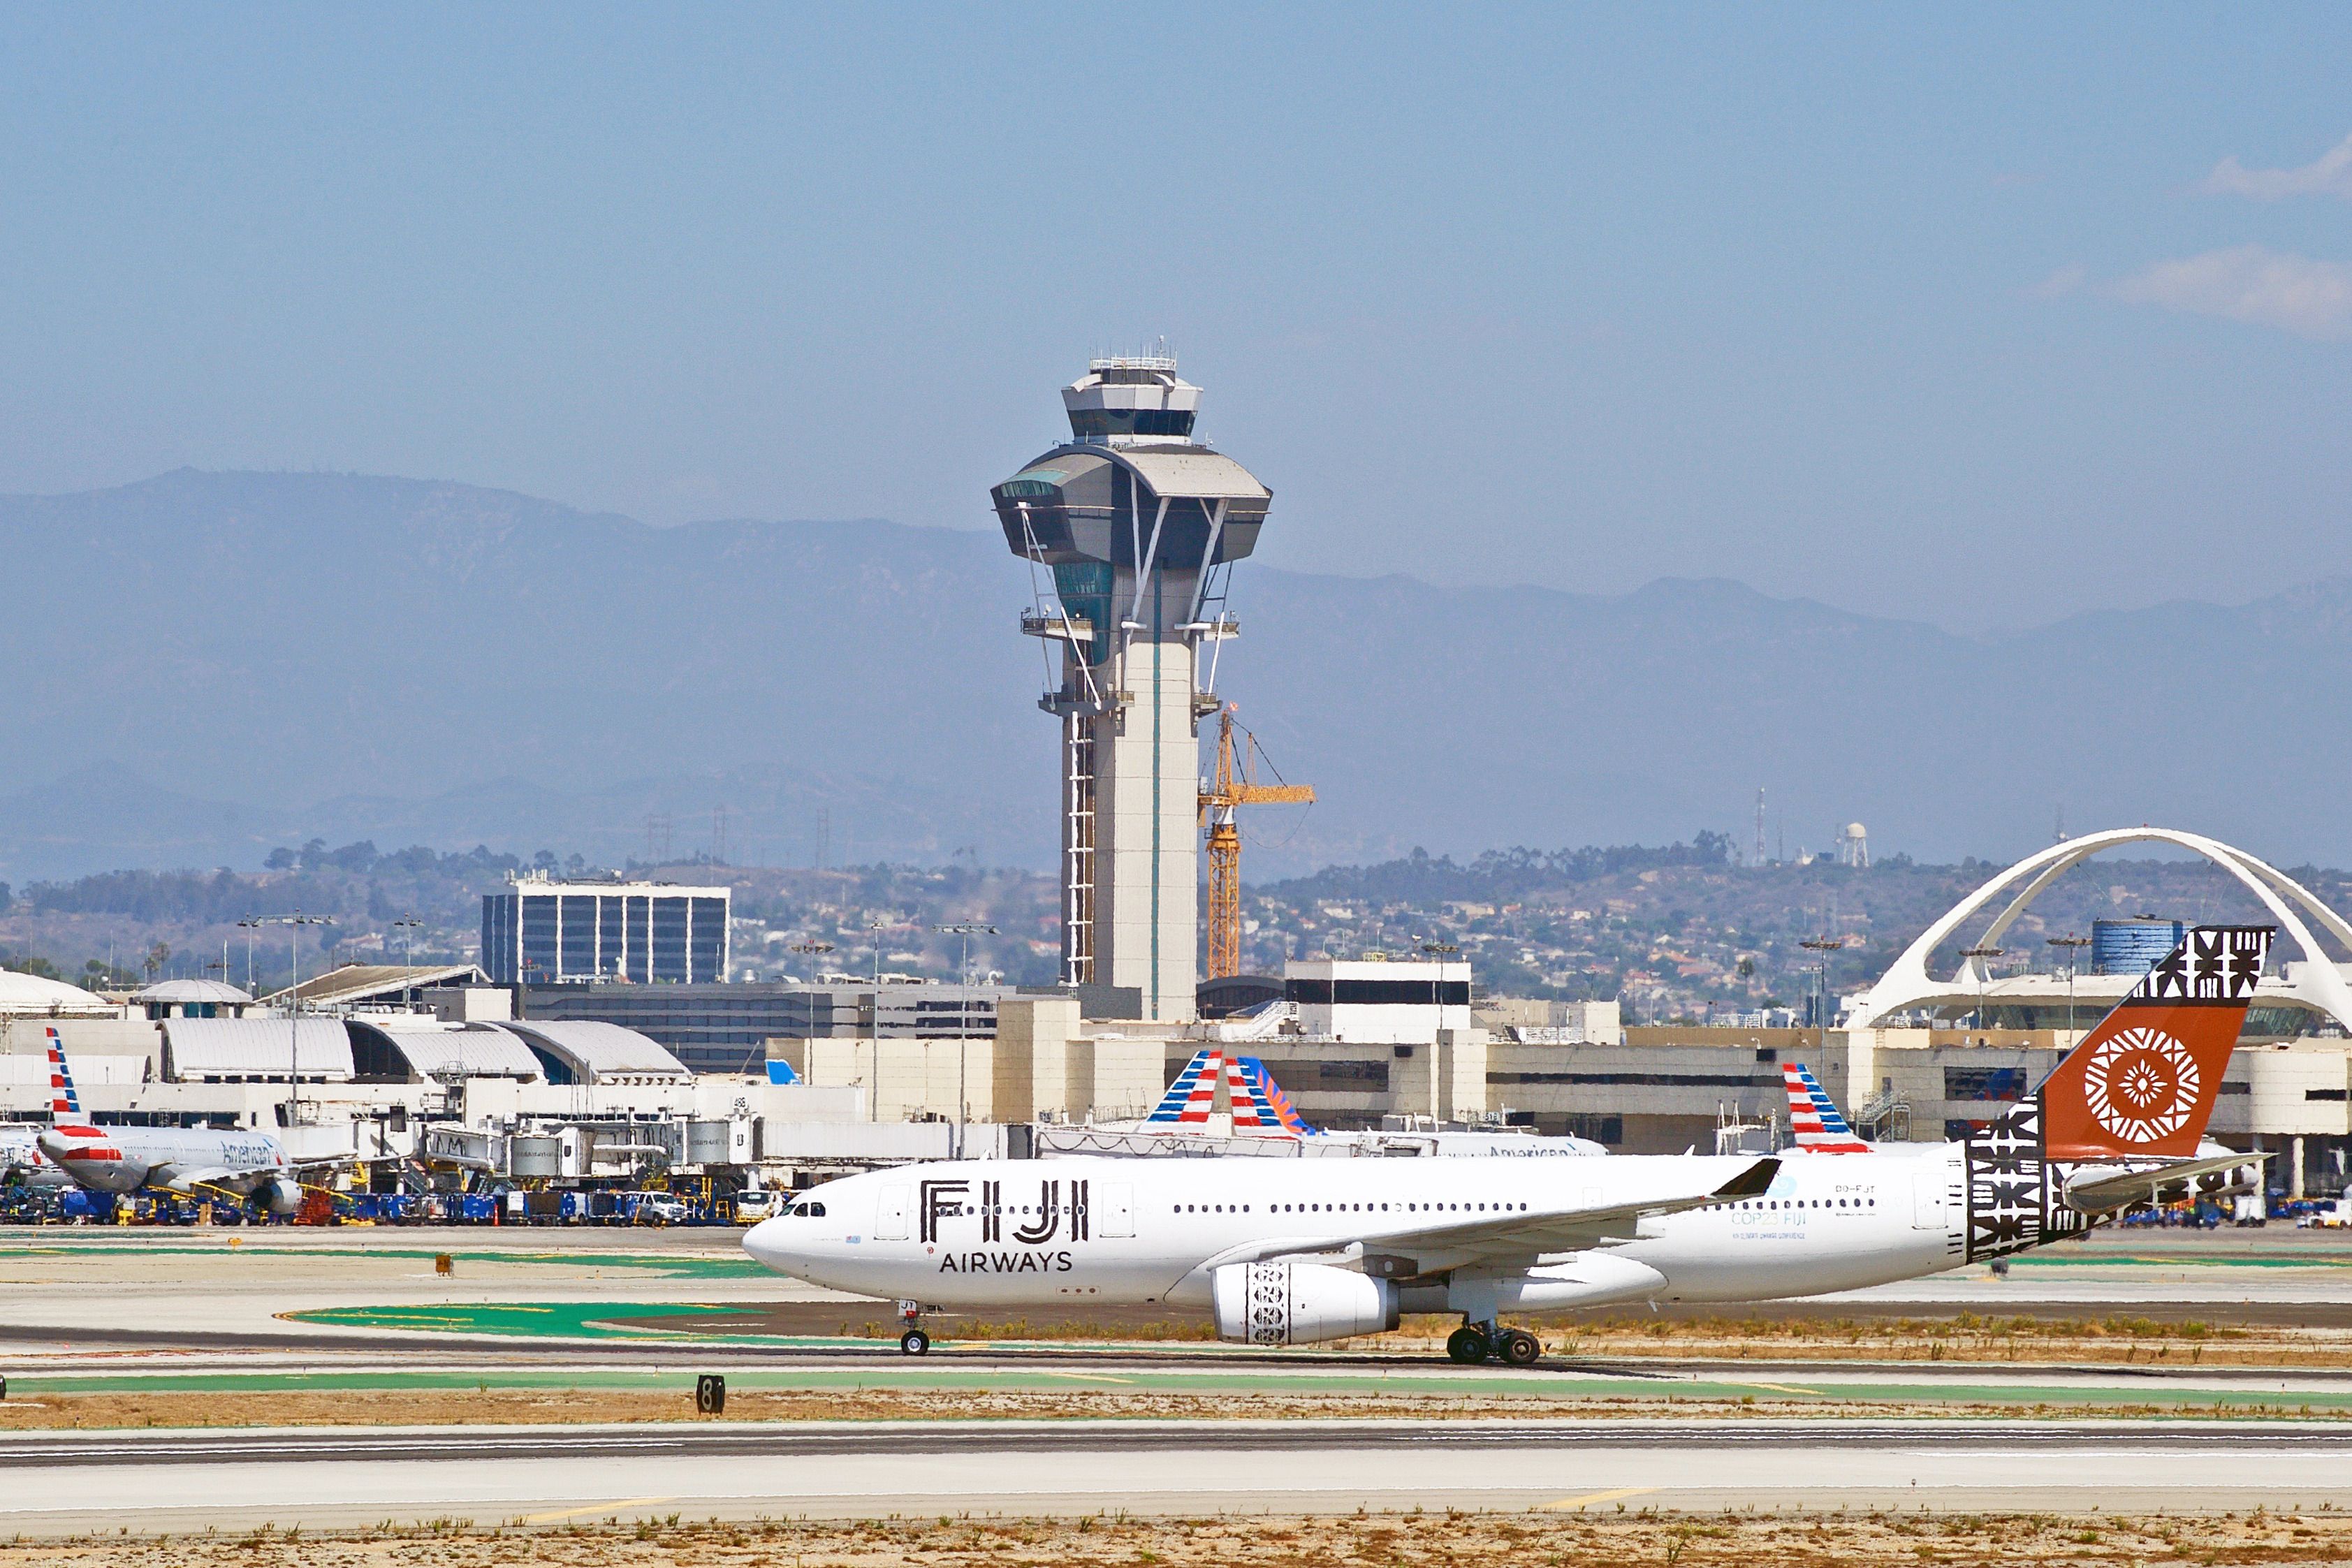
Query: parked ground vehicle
[651, 1207]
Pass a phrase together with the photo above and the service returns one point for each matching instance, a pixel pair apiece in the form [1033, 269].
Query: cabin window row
[1351, 1207]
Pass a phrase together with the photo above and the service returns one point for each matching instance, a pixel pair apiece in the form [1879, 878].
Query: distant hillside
[207, 664]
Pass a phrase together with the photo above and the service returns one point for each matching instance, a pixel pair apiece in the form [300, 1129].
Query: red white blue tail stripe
[1814, 1118]
[1270, 1108]
[65, 1105]
[1194, 1095]
[1249, 1114]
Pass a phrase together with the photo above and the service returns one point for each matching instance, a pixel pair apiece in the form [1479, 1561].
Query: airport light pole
[1439, 952]
[964, 929]
[248, 927]
[874, 929]
[294, 1008]
[2071, 944]
[1823, 947]
[1981, 955]
[797, 947]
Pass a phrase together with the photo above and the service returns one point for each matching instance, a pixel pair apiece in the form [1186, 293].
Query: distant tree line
[1421, 878]
[215, 897]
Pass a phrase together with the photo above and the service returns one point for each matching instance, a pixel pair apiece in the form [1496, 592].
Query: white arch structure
[2316, 982]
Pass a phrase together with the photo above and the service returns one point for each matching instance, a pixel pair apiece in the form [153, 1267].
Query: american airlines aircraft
[1259, 1109]
[1288, 1252]
[184, 1160]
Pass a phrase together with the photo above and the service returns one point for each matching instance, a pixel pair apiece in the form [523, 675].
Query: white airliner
[22, 1163]
[1300, 1250]
[189, 1161]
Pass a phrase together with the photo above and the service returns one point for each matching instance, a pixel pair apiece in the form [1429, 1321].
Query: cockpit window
[807, 1211]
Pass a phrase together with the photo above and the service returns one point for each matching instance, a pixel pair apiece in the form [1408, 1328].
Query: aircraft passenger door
[1117, 1215]
[891, 1215]
[1927, 1200]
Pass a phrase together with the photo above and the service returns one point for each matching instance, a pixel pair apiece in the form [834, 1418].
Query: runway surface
[92, 1320]
[58, 1484]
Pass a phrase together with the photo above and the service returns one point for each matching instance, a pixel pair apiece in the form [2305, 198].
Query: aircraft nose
[767, 1244]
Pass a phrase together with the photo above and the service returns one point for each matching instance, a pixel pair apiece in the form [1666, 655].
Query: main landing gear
[1474, 1342]
[914, 1342]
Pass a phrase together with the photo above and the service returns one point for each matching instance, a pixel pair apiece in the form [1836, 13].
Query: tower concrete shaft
[1134, 526]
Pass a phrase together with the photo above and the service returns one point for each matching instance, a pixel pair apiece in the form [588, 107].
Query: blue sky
[1982, 316]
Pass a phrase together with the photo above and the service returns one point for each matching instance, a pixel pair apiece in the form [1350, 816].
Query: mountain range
[205, 665]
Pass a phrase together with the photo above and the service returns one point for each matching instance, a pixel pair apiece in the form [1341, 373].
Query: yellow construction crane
[1233, 784]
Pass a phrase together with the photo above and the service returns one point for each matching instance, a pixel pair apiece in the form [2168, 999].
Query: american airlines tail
[1270, 1107]
[65, 1105]
[1814, 1118]
[1192, 1095]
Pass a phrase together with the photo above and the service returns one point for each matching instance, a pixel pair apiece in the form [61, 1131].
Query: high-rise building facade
[1138, 522]
[544, 932]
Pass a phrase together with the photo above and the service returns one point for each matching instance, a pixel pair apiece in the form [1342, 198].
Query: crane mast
[1234, 783]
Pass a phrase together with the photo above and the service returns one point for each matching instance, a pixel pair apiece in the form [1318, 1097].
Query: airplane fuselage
[180, 1159]
[994, 1234]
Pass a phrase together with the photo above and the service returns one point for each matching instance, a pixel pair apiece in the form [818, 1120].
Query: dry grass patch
[1602, 1539]
[527, 1407]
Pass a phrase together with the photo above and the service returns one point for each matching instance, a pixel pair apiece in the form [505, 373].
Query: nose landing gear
[914, 1342]
[1474, 1342]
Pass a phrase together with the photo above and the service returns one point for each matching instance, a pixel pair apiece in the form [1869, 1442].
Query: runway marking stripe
[599, 1508]
[1588, 1499]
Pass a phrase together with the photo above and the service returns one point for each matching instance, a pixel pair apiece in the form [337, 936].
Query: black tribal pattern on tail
[2012, 1190]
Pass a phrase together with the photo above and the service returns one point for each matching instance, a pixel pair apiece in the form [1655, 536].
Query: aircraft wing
[191, 1178]
[1525, 1234]
[2098, 1191]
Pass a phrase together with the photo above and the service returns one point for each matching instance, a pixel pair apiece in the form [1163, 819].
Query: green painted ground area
[2184, 1261]
[568, 1320]
[683, 1265]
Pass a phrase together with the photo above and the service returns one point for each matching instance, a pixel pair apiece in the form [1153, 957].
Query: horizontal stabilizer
[2101, 1191]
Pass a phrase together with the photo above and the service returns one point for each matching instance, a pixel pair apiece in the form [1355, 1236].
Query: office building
[541, 931]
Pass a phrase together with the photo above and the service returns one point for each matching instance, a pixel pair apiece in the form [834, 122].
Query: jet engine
[1298, 1304]
[280, 1195]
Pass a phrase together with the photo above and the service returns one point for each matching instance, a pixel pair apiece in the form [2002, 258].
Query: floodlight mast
[966, 930]
[294, 1008]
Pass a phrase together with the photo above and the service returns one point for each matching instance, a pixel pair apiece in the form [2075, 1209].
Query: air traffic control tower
[1139, 525]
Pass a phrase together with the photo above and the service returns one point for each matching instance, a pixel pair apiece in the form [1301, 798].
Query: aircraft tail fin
[2143, 1083]
[1813, 1117]
[1192, 1095]
[65, 1105]
[1250, 1111]
[1272, 1106]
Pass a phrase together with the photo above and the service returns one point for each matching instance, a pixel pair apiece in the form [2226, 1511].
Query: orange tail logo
[2143, 1083]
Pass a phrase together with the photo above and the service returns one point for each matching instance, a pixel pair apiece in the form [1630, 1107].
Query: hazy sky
[1981, 315]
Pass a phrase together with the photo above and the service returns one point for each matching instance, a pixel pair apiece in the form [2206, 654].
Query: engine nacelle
[280, 1195]
[1298, 1304]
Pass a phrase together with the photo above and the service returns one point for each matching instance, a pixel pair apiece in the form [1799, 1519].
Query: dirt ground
[517, 1406]
[2008, 1339]
[1604, 1536]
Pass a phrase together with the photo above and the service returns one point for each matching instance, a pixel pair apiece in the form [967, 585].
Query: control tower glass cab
[1137, 523]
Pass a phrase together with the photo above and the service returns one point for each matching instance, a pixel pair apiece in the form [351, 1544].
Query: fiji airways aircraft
[1298, 1251]
[186, 1160]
